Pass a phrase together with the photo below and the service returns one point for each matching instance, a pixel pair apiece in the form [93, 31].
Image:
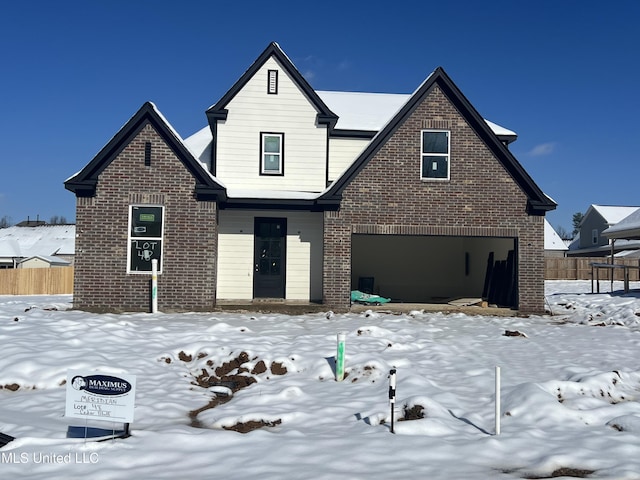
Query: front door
[269, 258]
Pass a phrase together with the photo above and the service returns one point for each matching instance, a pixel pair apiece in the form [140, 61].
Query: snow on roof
[613, 214]
[627, 224]
[355, 110]
[363, 111]
[199, 142]
[372, 111]
[552, 240]
[49, 259]
[43, 240]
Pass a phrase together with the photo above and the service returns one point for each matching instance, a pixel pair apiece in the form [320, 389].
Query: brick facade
[188, 280]
[388, 197]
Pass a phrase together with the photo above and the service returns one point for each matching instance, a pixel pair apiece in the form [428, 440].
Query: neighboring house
[56, 243]
[42, 261]
[625, 236]
[291, 194]
[590, 242]
[554, 246]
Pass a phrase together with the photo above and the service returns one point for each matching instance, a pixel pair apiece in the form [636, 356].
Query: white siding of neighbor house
[253, 111]
[35, 263]
[303, 250]
[342, 153]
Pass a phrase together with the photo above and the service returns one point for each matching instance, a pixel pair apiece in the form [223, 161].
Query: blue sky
[563, 74]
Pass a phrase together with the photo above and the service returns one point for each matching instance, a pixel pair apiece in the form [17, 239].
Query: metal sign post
[392, 394]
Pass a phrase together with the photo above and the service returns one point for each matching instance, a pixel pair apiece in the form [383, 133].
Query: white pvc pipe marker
[154, 285]
[497, 400]
[342, 337]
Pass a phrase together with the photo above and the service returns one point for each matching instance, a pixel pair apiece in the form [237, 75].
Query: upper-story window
[595, 236]
[435, 154]
[272, 82]
[272, 153]
[146, 225]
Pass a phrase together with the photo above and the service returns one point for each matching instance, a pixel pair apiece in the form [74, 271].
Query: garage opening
[435, 269]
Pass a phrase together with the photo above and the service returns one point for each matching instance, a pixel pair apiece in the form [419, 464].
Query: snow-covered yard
[570, 391]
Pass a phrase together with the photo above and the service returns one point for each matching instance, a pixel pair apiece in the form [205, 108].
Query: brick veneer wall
[389, 197]
[188, 280]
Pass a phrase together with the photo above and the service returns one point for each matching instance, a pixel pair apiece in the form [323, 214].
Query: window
[146, 224]
[435, 155]
[271, 148]
[595, 236]
[272, 82]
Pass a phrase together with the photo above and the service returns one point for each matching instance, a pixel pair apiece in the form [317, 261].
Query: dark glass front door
[269, 258]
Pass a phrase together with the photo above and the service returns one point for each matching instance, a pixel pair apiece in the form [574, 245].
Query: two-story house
[297, 195]
[590, 242]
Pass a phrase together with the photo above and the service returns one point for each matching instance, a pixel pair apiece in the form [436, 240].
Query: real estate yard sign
[92, 395]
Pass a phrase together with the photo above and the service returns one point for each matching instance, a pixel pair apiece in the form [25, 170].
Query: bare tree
[58, 220]
[5, 221]
[563, 233]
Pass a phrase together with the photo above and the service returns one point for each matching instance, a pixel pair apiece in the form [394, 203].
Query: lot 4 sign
[91, 395]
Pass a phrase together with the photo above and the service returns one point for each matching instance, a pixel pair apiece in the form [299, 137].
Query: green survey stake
[340, 357]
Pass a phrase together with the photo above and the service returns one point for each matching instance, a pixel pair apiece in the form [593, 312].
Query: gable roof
[627, 228]
[84, 183]
[369, 112]
[538, 203]
[219, 112]
[552, 240]
[43, 240]
[611, 214]
[51, 260]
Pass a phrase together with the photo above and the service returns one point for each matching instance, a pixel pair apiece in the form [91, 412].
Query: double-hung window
[272, 153]
[146, 224]
[435, 154]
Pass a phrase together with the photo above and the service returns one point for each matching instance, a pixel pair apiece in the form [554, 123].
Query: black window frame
[263, 154]
[435, 157]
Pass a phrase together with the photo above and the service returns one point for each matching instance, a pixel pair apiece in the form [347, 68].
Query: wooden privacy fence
[579, 268]
[36, 281]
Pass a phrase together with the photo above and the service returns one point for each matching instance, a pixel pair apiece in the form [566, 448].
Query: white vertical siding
[253, 111]
[303, 262]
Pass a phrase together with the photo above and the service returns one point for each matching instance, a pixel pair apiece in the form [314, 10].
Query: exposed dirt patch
[232, 365]
[184, 357]
[214, 402]
[12, 387]
[513, 333]
[246, 427]
[278, 369]
[566, 472]
[234, 374]
[412, 413]
[259, 368]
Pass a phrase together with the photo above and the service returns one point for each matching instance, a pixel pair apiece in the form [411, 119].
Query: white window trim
[431, 154]
[272, 82]
[130, 239]
[595, 236]
[263, 170]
